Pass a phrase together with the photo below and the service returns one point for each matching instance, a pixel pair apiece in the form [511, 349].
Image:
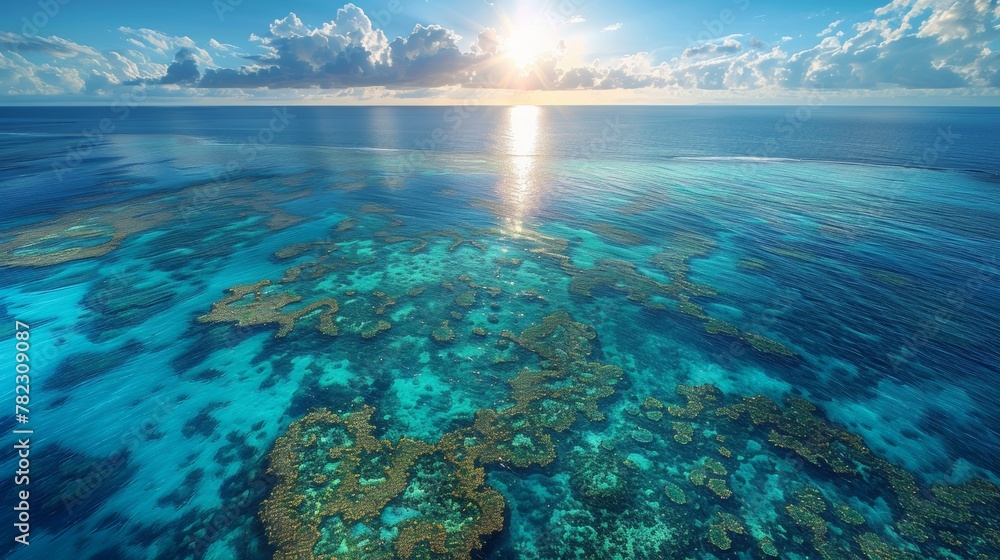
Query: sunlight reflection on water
[519, 183]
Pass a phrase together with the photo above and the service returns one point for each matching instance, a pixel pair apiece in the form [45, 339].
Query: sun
[525, 44]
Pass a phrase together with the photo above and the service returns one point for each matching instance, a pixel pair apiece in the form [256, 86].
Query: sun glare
[526, 44]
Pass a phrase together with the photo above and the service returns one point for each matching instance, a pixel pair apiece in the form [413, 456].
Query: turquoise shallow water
[844, 277]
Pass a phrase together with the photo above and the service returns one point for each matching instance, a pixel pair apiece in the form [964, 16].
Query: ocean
[501, 332]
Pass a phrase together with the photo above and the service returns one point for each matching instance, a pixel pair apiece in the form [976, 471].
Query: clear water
[862, 241]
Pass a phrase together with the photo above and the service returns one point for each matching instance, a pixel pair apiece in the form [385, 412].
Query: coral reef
[458, 239]
[620, 276]
[599, 479]
[346, 225]
[697, 399]
[715, 326]
[764, 344]
[616, 234]
[343, 493]
[306, 515]
[303, 248]
[268, 309]
[80, 235]
[626, 278]
[721, 528]
[116, 304]
[375, 208]
[443, 333]
[875, 548]
[652, 403]
[718, 486]
[508, 263]
[926, 519]
[96, 231]
[675, 493]
[849, 515]
[642, 435]
[380, 326]
[683, 432]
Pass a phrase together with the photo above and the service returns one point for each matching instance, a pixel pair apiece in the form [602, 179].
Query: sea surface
[502, 332]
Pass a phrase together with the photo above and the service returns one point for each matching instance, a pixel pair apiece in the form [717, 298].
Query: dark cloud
[183, 71]
[429, 56]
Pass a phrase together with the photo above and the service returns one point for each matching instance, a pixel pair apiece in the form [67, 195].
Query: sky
[504, 51]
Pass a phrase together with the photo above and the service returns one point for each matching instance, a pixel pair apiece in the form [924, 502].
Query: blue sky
[440, 51]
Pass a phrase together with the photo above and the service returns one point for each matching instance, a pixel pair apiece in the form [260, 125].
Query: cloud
[184, 70]
[226, 48]
[932, 44]
[829, 28]
[48, 46]
[427, 57]
[579, 78]
[729, 45]
[613, 27]
[155, 40]
[349, 52]
[487, 42]
[960, 21]
[908, 44]
[36, 65]
[344, 52]
[576, 19]
[163, 44]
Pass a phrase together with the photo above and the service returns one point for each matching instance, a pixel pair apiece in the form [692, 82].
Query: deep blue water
[864, 241]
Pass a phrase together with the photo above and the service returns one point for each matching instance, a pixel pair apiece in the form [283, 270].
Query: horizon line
[458, 103]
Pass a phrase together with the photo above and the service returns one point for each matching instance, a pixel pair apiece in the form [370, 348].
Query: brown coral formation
[637, 286]
[698, 397]
[268, 309]
[617, 234]
[96, 231]
[443, 333]
[77, 236]
[763, 344]
[366, 474]
[683, 432]
[333, 473]
[346, 225]
[303, 248]
[508, 263]
[375, 208]
[458, 239]
[931, 518]
[373, 331]
[719, 530]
